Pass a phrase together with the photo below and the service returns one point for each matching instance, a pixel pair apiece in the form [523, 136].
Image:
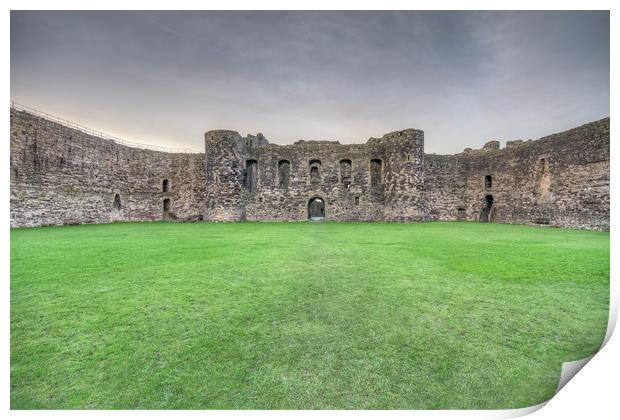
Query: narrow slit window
[284, 171]
[345, 172]
[376, 172]
[117, 202]
[251, 175]
[543, 166]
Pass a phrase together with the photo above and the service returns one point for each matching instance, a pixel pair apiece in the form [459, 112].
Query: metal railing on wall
[96, 133]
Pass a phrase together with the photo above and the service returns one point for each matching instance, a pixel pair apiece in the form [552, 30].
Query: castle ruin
[64, 175]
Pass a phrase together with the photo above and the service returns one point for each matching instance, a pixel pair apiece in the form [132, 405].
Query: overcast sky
[167, 77]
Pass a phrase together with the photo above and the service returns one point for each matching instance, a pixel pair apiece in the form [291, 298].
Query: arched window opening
[314, 174]
[488, 181]
[284, 170]
[345, 172]
[315, 170]
[251, 175]
[117, 202]
[376, 172]
[164, 185]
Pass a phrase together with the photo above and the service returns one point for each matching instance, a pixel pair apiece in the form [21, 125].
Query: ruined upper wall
[343, 178]
[560, 180]
[60, 175]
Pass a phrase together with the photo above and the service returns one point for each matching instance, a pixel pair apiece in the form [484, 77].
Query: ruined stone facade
[559, 180]
[250, 179]
[61, 175]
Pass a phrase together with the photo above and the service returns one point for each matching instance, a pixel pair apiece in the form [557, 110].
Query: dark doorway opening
[167, 205]
[117, 202]
[489, 201]
[316, 209]
[486, 215]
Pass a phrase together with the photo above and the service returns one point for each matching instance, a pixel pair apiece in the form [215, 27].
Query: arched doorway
[485, 214]
[316, 209]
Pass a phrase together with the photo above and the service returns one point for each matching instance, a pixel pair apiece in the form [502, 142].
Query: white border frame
[594, 393]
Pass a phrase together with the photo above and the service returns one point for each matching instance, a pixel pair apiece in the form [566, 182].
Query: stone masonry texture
[61, 175]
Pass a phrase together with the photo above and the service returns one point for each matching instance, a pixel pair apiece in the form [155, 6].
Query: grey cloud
[463, 77]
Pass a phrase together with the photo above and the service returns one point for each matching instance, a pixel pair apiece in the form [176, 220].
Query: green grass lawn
[300, 315]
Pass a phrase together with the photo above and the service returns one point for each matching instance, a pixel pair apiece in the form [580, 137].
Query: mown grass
[300, 315]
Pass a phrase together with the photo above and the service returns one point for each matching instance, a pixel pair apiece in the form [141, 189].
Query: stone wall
[60, 175]
[560, 180]
[288, 177]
